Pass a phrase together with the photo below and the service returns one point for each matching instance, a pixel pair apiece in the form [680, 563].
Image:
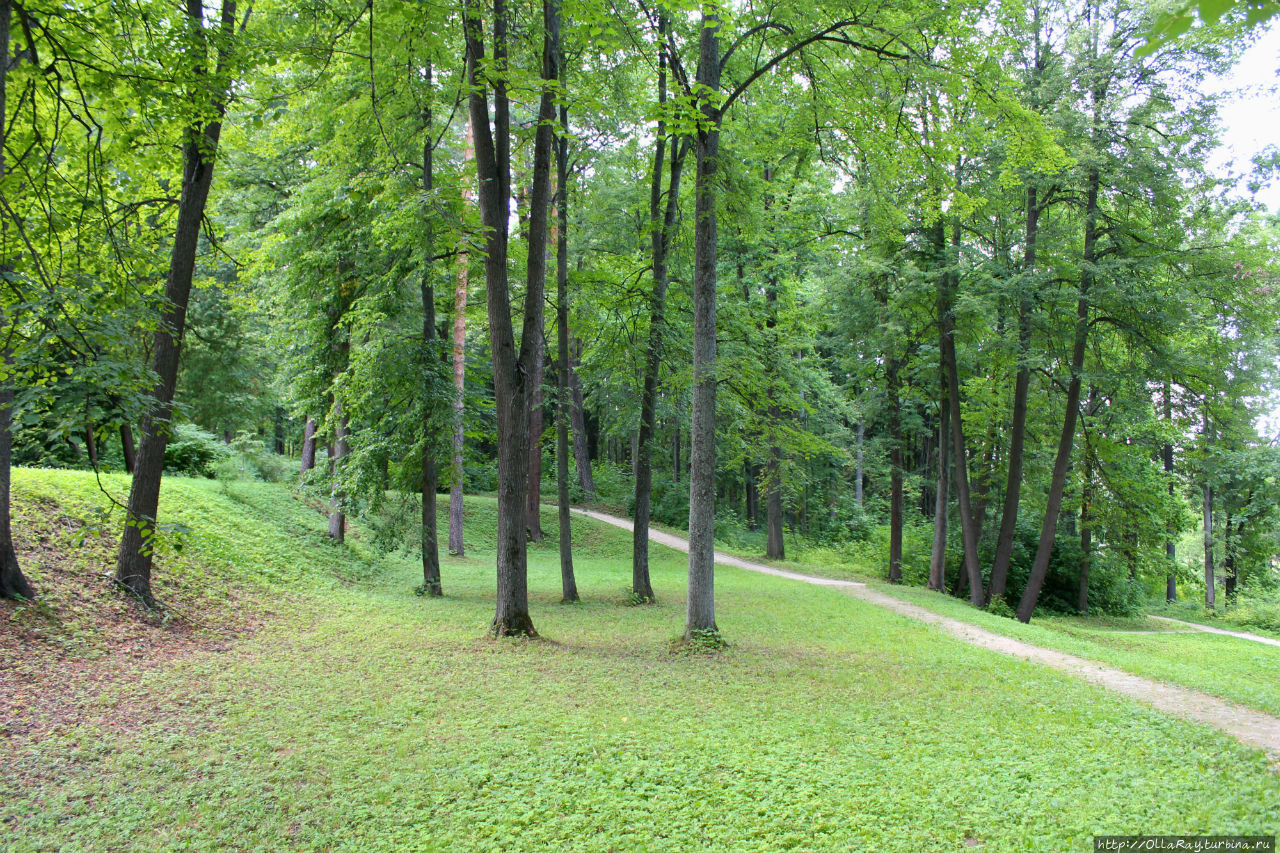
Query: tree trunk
[13, 583]
[568, 582]
[91, 446]
[460, 294]
[510, 368]
[774, 547]
[947, 323]
[431, 583]
[337, 497]
[533, 509]
[675, 453]
[1062, 460]
[661, 223]
[1086, 534]
[700, 612]
[1018, 428]
[858, 476]
[1170, 547]
[752, 496]
[127, 448]
[578, 420]
[133, 563]
[1229, 564]
[942, 499]
[309, 445]
[1210, 597]
[895, 471]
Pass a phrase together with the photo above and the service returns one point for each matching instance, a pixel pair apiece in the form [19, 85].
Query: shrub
[194, 452]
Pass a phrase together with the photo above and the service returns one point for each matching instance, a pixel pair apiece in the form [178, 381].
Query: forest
[946, 296]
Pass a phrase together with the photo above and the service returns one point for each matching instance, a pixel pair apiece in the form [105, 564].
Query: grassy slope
[1238, 670]
[363, 717]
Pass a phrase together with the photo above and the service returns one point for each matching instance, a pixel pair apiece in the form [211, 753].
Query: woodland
[946, 296]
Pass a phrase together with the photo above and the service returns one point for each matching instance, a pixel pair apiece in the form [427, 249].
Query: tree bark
[1018, 427]
[947, 323]
[661, 223]
[700, 611]
[893, 384]
[568, 582]
[510, 367]
[337, 497]
[431, 582]
[578, 420]
[457, 513]
[1086, 533]
[134, 561]
[127, 448]
[533, 509]
[1210, 594]
[1170, 547]
[309, 445]
[942, 498]
[1062, 459]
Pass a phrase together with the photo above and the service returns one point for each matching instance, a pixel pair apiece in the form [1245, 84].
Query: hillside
[313, 701]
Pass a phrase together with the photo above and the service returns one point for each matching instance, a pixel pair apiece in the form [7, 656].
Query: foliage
[194, 452]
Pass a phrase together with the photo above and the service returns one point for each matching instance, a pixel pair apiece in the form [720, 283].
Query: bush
[1254, 615]
[249, 459]
[194, 452]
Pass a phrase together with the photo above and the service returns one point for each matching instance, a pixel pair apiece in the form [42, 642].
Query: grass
[1234, 669]
[362, 717]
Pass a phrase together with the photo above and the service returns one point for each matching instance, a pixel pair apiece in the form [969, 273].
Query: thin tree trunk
[134, 561]
[1062, 459]
[510, 368]
[431, 582]
[1086, 533]
[858, 476]
[91, 446]
[1229, 563]
[700, 611]
[337, 497]
[946, 320]
[460, 294]
[533, 509]
[309, 445]
[941, 500]
[675, 453]
[895, 471]
[752, 495]
[1018, 428]
[568, 582]
[661, 223]
[578, 420]
[1210, 596]
[127, 448]
[1170, 547]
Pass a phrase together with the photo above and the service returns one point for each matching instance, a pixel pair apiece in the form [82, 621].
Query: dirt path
[1250, 727]
[1208, 630]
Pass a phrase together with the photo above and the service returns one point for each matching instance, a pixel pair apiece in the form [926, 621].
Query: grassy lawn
[359, 716]
[1238, 670]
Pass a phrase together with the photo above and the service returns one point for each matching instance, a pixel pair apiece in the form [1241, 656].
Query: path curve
[1252, 728]
[1209, 630]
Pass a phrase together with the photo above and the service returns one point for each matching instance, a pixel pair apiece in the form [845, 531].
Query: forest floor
[346, 713]
[1249, 726]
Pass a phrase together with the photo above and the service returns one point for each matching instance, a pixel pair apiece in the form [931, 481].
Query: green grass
[362, 717]
[1234, 669]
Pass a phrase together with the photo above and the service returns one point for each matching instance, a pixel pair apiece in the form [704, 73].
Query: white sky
[1251, 115]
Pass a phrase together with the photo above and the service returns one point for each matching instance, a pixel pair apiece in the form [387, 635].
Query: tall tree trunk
[91, 446]
[133, 563]
[893, 384]
[460, 294]
[1062, 459]
[1018, 428]
[1086, 533]
[309, 445]
[858, 476]
[510, 368]
[1210, 597]
[533, 509]
[1170, 547]
[947, 324]
[431, 583]
[942, 498]
[661, 222]
[337, 496]
[775, 549]
[752, 495]
[127, 448]
[700, 613]
[578, 420]
[568, 582]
